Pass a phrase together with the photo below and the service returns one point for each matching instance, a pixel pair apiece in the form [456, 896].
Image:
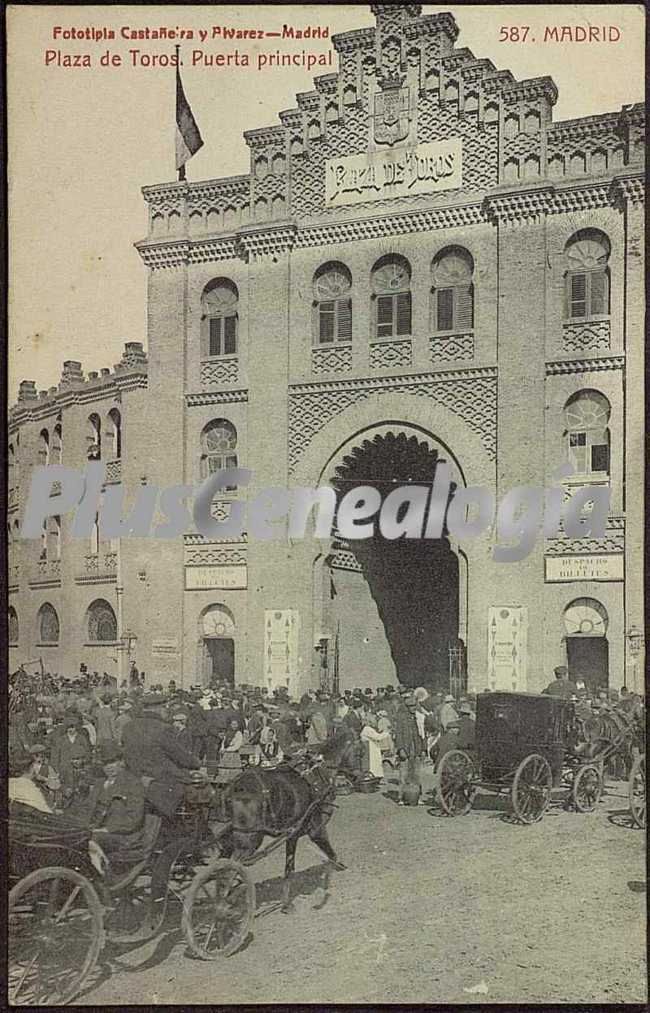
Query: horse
[296, 798]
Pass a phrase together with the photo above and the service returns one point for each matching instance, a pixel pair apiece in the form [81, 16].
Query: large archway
[393, 604]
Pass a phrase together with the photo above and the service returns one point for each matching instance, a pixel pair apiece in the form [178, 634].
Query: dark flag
[188, 138]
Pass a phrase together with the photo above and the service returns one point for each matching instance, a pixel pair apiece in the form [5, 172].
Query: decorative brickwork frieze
[471, 394]
[215, 397]
[586, 336]
[451, 347]
[390, 354]
[565, 366]
[337, 359]
[215, 372]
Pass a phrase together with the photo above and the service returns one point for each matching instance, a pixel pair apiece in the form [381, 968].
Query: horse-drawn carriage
[527, 745]
[66, 902]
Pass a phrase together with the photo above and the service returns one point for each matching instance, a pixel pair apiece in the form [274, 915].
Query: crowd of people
[62, 729]
[64, 734]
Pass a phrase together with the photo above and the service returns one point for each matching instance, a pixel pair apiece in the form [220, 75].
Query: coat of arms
[392, 113]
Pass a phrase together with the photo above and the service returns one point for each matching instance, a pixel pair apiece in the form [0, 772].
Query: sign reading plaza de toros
[425, 168]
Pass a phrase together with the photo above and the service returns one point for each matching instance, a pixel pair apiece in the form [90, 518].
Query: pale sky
[83, 141]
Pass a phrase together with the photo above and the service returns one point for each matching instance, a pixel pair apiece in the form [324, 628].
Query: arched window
[12, 624]
[587, 276]
[115, 433]
[43, 550]
[586, 416]
[11, 466]
[586, 617]
[218, 447]
[48, 624]
[219, 305]
[44, 447]
[391, 286]
[101, 622]
[453, 291]
[57, 445]
[333, 304]
[94, 437]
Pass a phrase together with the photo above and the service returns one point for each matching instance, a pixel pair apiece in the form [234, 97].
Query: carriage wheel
[219, 909]
[56, 934]
[637, 791]
[455, 789]
[587, 788]
[531, 788]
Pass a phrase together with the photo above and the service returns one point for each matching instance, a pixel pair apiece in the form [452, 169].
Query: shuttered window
[219, 303]
[335, 321]
[587, 290]
[394, 315]
[333, 304]
[391, 281]
[453, 291]
[589, 294]
[223, 335]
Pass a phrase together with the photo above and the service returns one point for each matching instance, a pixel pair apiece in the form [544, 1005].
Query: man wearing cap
[409, 746]
[182, 734]
[115, 808]
[561, 686]
[151, 751]
[69, 751]
[43, 774]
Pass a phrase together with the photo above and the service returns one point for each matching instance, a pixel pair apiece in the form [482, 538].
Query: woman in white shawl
[375, 742]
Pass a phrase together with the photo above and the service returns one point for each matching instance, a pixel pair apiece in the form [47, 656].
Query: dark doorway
[220, 659]
[588, 660]
[413, 582]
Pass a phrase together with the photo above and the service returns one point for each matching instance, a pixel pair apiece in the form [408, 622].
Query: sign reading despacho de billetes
[605, 567]
[425, 168]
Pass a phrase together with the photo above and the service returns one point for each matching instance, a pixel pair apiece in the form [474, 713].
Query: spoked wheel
[219, 909]
[56, 934]
[531, 788]
[455, 788]
[587, 788]
[637, 791]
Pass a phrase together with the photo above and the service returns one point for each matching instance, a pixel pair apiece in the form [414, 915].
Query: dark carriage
[65, 903]
[525, 744]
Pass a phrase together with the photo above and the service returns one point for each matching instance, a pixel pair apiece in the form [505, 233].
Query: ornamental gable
[407, 117]
[410, 121]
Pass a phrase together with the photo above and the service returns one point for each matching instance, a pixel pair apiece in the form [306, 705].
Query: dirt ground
[431, 909]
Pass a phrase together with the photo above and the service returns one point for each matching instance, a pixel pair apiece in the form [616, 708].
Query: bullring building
[420, 266]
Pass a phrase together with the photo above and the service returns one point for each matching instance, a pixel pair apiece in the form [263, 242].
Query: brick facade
[490, 397]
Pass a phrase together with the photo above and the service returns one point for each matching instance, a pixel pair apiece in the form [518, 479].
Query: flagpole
[181, 171]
